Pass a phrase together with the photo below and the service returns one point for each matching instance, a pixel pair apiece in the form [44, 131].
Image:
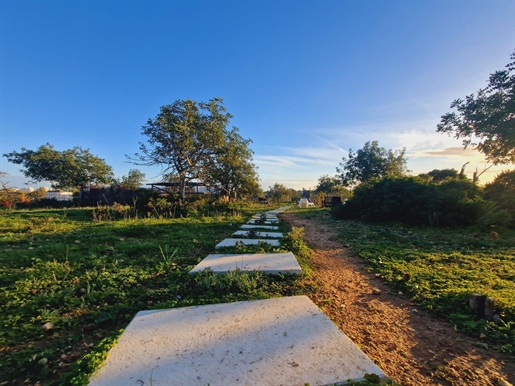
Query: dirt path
[410, 346]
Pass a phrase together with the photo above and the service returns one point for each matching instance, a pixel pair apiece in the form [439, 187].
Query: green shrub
[413, 201]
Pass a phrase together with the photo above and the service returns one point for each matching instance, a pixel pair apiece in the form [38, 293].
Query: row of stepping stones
[281, 341]
[262, 228]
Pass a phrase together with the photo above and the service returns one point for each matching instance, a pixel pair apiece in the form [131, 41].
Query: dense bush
[413, 201]
[501, 194]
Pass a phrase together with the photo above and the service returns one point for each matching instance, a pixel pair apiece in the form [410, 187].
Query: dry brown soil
[410, 346]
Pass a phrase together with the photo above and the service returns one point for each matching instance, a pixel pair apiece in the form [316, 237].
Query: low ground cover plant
[441, 268]
[69, 282]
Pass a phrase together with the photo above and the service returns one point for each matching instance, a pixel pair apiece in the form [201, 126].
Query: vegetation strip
[70, 283]
[440, 270]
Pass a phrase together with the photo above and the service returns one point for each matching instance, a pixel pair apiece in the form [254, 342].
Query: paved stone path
[282, 341]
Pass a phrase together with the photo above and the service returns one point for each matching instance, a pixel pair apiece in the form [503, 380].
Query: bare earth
[410, 346]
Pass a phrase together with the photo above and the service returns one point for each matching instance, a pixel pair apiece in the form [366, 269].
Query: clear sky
[305, 80]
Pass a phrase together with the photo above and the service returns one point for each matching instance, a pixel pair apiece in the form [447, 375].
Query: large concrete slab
[269, 227]
[269, 263]
[233, 242]
[283, 341]
[276, 235]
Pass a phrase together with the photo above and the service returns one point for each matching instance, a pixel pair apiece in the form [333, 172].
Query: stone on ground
[266, 222]
[234, 242]
[276, 235]
[250, 226]
[269, 263]
[283, 341]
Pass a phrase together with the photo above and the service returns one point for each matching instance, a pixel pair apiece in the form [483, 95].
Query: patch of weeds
[440, 270]
[83, 369]
[89, 278]
[373, 380]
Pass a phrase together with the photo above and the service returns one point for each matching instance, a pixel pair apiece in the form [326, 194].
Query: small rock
[43, 361]
[47, 326]
[83, 290]
[346, 245]
[77, 241]
[482, 336]
[496, 319]
[31, 248]
[62, 364]
[110, 248]
[121, 261]
[376, 291]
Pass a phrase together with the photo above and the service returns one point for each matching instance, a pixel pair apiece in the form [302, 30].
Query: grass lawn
[69, 284]
[439, 268]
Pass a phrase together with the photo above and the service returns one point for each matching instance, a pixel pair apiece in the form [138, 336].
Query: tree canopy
[502, 189]
[370, 162]
[486, 121]
[280, 193]
[132, 180]
[189, 140]
[232, 169]
[70, 169]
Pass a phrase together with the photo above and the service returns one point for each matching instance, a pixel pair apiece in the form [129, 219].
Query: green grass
[439, 268]
[89, 278]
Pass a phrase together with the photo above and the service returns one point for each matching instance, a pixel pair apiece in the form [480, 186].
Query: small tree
[486, 121]
[132, 180]
[75, 168]
[328, 184]
[332, 186]
[371, 162]
[280, 193]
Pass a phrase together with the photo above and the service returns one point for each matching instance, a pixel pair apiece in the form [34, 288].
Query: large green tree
[486, 121]
[372, 161]
[183, 139]
[71, 169]
[232, 169]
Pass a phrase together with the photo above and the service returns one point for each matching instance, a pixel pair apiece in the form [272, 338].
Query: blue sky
[305, 80]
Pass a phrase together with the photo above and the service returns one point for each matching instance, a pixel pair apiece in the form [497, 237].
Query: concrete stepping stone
[277, 235]
[282, 341]
[260, 215]
[250, 226]
[233, 242]
[269, 263]
[267, 222]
